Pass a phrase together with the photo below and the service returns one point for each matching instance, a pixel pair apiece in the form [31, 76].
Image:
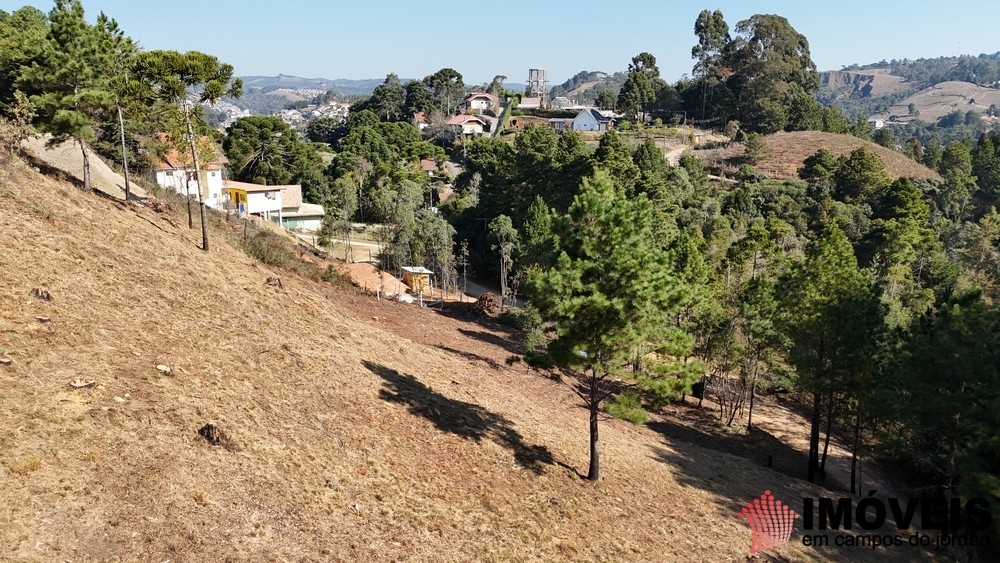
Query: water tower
[538, 85]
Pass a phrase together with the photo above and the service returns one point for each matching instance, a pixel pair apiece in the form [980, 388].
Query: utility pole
[197, 171]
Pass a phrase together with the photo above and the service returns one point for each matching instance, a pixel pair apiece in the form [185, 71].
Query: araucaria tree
[604, 288]
[169, 77]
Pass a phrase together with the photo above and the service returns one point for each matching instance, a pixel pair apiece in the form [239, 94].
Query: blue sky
[368, 39]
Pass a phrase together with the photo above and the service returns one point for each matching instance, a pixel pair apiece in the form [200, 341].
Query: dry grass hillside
[869, 82]
[346, 429]
[939, 100]
[787, 151]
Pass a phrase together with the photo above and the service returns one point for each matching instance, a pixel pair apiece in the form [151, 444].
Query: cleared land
[939, 100]
[787, 151]
[870, 82]
[351, 430]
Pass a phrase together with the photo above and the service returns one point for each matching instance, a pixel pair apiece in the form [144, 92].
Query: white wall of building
[264, 202]
[176, 179]
[585, 121]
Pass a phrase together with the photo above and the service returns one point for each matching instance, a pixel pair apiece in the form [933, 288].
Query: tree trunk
[855, 469]
[953, 448]
[594, 473]
[347, 232]
[814, 437]
[121, 128]
[197, 172]
[187, 191]
[86, 168]
[753, 389]
[826, 441]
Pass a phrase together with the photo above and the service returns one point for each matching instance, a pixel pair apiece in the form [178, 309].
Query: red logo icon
[770, 521]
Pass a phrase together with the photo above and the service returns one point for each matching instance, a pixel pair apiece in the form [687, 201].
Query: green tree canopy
[265, 150]
[606, 287]
[67, 81]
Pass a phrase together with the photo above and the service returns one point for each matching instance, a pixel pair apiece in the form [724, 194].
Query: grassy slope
[787, 151]
[354, 444]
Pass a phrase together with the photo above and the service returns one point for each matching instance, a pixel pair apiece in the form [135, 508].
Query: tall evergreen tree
[829, 316]
[713, 36]
[766, 58]
[67, 82]
[606, 288]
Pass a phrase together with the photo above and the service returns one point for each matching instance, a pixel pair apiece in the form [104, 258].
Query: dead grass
[787, 151]
[399, 439]
[25, 466]
[939, 100]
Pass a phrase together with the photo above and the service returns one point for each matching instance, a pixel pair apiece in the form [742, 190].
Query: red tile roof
[463, 119]
[177, 160]
[486, 95]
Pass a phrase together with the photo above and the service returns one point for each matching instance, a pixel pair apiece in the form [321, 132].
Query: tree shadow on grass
[507, 344]
[757, 446]
[472, 357]
[467, 420]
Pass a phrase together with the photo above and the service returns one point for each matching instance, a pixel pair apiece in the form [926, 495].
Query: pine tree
[829, 314]
[606, 288]
[67, 83]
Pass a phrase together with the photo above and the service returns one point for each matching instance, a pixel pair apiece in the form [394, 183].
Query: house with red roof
[468, 124]
[174, 169]
[481, 102]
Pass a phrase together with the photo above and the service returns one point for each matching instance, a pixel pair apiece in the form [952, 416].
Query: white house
[307, 217]
[254, 199]
[428, 165]
[296, 215]
[176, 172]
[469, 124]
[591, 120]
[421, 121]
[480, 102]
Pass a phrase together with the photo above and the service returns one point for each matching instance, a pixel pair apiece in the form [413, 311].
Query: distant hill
[264, 95]
[878, 89]
[344, 86]
[585, 85]
[862, 84]
[934, 102]
[787, 151]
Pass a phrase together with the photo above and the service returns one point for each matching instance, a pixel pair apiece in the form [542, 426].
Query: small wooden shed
[417, 278]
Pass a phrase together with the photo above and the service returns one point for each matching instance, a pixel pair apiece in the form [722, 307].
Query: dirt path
[673, 155]
[788, 427]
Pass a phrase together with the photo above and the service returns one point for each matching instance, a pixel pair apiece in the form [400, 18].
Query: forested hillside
[867, 294]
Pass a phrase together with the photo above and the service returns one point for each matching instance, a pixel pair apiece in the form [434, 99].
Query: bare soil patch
[939, 100]
[67, 158]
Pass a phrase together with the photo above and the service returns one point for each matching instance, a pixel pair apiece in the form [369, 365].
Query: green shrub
[627, 406]
[521, 318]
[270, 249]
